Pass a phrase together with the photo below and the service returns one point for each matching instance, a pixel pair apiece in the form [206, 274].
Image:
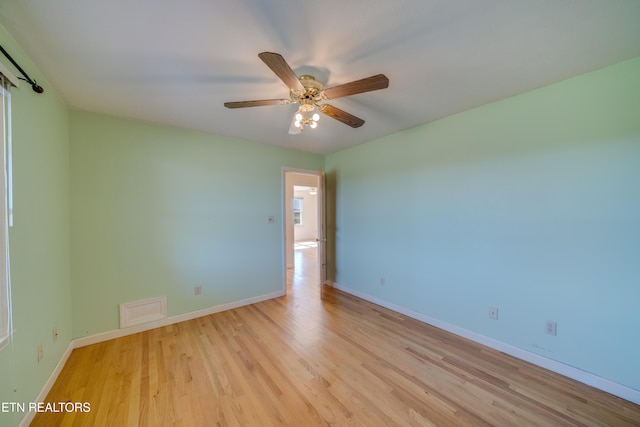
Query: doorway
[303, 234]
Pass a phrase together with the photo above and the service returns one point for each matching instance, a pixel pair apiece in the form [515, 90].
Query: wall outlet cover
[551, 328]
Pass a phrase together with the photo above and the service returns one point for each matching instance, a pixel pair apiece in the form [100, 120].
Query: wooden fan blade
[258, 103]
[379, 81]
[279, 66]
[342, 116]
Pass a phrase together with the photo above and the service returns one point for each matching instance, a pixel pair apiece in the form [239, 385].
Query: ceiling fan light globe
[298, 117]
[313, 125]
[297, 123]
[316, 117]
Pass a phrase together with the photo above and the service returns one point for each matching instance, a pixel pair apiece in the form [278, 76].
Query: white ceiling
[176, 62]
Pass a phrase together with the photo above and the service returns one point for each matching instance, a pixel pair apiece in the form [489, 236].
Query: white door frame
[287, 216]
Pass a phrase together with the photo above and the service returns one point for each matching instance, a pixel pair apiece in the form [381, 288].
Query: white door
[322, 233]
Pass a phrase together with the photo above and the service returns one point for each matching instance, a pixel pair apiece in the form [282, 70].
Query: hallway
[305, 270]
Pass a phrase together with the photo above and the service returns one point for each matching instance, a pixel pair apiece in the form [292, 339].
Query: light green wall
[530, 204]
[39, 239]
[157, 210]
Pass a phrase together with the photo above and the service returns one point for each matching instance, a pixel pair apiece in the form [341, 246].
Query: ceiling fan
[310, 94]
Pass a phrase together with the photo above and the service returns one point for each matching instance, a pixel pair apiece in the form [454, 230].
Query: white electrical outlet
[40, 352]
[493, 313]
[382, 281]
[197, 290]
[551, 328]
[54, 334]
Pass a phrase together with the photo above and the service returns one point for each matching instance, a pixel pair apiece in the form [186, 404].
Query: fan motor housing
[312, 93]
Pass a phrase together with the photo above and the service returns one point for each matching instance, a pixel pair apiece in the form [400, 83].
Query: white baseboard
[105, 336]
[572, 372]
[595, 381]
[26, 420]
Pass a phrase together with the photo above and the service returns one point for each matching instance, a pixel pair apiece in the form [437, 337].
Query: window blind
[6, 81]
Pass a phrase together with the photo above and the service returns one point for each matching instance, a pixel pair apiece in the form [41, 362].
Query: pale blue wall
[530, 204]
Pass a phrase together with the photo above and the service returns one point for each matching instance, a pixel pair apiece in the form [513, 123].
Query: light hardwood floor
[299, 361]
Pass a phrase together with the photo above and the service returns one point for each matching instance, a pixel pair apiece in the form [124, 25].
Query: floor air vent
[143, 311]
